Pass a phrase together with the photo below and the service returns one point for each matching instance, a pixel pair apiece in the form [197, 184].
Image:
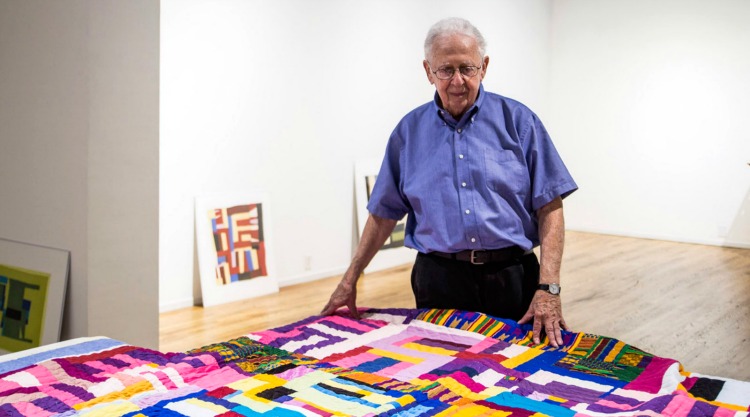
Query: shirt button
[473, 240]
[459, 130]
[463, 184]
[461, 156]
[467, 211]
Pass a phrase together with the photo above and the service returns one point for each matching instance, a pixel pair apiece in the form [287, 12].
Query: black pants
[501, 289]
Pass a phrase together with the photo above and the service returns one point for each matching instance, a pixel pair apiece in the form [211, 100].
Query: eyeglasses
[446, 73]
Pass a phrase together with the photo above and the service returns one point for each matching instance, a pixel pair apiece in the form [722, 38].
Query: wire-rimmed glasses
[446, 73]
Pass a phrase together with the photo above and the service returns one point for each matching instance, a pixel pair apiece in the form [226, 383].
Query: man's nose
[458, 79]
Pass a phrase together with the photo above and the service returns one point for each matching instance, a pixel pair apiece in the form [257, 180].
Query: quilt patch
[392, 362]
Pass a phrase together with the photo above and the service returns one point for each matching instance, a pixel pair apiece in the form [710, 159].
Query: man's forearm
[552, 241]
[374, 235]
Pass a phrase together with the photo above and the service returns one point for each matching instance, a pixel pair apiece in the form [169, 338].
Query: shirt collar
[447, 118]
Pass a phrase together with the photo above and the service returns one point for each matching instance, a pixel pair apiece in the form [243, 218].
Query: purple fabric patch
[74, 390]
[51, 404]
[444, 344]
[80, 371]
[7, 410]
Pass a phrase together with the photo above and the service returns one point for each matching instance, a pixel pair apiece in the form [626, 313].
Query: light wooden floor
[683, 301]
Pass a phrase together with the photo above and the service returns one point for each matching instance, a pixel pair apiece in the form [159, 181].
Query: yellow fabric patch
[247, 384]
[522, 358]
[396, 356]
[307, 380]
[557, 399]
[429, 349]
[207, 405]
[128, 392]
[117, 408]
[612, 355]
[472, 410]
[460, 389]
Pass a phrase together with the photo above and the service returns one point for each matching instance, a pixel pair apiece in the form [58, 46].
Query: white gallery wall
[645, 100]
[79, 98]
[284, 96]
[649, 104]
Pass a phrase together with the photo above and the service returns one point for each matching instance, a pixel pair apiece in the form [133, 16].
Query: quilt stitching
[392, 362]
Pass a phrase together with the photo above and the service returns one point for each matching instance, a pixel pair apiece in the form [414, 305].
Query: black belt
[479, 257]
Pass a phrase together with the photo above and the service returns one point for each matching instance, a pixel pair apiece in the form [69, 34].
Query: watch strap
[550, 288]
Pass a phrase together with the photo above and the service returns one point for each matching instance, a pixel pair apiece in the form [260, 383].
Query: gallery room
[130, 131]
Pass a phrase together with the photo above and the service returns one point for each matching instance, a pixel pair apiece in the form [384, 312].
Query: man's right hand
[345, 294]
[377, 230]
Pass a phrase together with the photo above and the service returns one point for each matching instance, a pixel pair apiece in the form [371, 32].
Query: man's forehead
[455, 47]
[455, 41]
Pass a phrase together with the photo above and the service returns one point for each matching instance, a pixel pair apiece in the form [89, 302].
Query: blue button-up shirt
[475, 183]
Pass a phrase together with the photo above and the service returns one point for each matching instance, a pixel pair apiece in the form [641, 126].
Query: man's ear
[485, 64]
[428, 72]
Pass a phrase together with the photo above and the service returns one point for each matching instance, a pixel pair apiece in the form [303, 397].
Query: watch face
[554, 289]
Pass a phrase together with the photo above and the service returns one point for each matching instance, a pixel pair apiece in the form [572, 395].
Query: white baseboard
[176, 305]
[679, 239]
[283, 282]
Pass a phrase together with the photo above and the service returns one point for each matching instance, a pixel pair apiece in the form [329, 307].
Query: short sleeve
[550, 177]
[387, 199]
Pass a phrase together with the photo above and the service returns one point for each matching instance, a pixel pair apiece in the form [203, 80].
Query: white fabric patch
[296, 344]
[447, 330]
[636, 395]
[489, 378]
[23, 379]
[355, 342]
[329, 330]
[545, 377]
[672, 378]
[513, 351]
[103, 388]
[190, 409]
[174, 376]
[388, 318]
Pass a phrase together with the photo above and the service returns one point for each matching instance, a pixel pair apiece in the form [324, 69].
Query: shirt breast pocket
[504, 173]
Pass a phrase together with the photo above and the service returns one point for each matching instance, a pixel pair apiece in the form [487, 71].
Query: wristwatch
[553, 289]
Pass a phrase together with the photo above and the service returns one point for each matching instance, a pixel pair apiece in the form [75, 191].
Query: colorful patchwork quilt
[392, 362]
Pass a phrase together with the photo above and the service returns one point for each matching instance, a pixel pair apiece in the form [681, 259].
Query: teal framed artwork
[32, 293]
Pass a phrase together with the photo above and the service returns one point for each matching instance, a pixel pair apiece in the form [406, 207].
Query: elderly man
[482, 184]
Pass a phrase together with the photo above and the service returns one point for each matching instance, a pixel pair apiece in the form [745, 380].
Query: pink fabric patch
[466, 381]
[353, 361]
[650, 380]
[42, 374]
[393, 370]
[268, 336]
[612, 404]
[354, 324]
[29, 409]
[295, 373]
[218, 378]
[482, 346]
[65, 397]
[680, 406]
[407, 340]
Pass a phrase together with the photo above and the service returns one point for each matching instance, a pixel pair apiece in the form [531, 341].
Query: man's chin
[457, 110]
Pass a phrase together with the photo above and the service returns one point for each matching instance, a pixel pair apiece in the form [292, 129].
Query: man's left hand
[546, 312]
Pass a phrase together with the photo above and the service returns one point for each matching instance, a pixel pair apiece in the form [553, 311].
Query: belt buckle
[473, 257]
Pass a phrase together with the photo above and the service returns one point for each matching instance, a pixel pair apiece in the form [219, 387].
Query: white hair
[453, 25]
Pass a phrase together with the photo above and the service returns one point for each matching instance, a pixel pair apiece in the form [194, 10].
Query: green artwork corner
[23, 295]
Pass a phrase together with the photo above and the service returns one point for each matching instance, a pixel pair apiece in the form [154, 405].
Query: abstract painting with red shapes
[240, 247]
